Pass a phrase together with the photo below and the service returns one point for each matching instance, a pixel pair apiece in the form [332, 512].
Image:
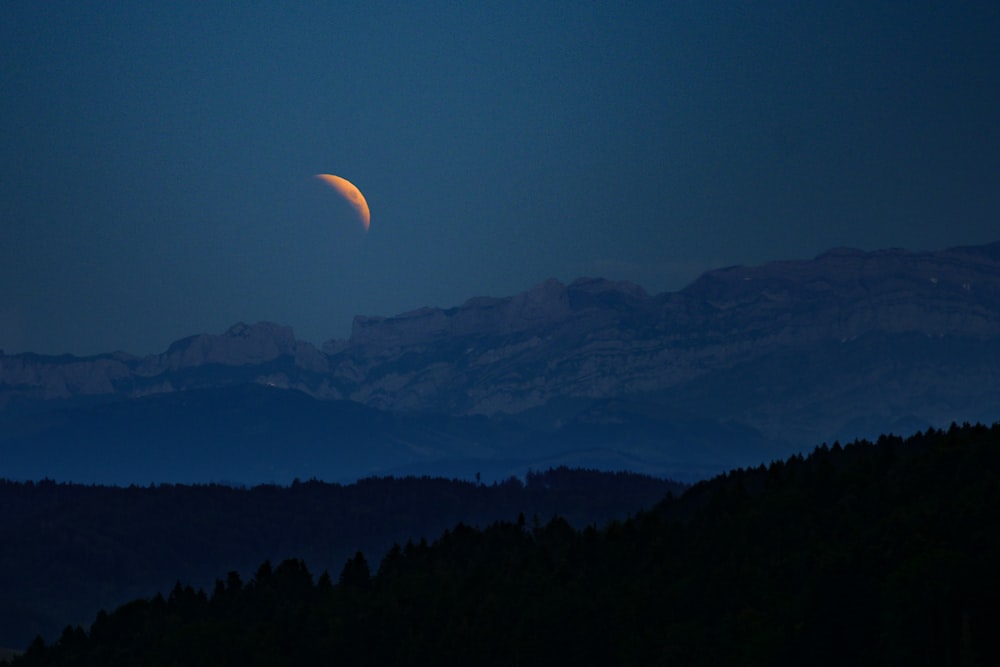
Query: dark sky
[157, 157]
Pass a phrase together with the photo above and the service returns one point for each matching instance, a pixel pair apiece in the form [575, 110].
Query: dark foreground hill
[66, 550]
[870, 554]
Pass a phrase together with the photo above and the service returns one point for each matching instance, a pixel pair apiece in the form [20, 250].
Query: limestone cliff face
[544, 305]
[492, 355]
[261, 352]
[595, 338]
[39, 377]
[846, 293]
[239, 345]
[784, 347]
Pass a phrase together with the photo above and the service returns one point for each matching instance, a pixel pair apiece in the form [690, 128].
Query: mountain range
[745, 364]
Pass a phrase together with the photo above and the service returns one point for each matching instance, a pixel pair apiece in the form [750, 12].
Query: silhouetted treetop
[864, 554]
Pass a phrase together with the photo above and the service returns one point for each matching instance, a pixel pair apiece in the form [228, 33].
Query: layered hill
[760, 360]
[868, 554]
[71, 549]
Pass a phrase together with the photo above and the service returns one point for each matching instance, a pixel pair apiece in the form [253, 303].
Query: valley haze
[742, 366]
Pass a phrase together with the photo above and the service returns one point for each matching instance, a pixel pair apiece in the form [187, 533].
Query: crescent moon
[351, 193]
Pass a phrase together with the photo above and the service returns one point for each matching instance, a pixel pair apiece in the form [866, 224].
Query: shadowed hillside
[68, 549]
[867, 554]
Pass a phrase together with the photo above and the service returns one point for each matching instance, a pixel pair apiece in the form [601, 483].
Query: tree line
[871, 553]
[68, 550]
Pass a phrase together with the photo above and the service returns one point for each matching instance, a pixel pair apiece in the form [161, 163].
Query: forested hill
[869, 554]
[67, 550]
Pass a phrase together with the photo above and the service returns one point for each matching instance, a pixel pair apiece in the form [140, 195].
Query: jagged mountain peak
[545, 304]
[595, 285]
[240, 344]
[847, 275]
[745, 333]
[989, 252]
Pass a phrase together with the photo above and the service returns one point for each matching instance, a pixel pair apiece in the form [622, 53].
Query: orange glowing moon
[351, 193]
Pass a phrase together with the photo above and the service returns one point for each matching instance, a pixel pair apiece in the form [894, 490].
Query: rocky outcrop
[845, 293]
[40, 377]
[898, 324]
[239, 345]
[542, 306]
[595, 338]
[250, 353]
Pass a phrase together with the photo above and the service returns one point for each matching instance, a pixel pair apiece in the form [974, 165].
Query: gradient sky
[157, 157]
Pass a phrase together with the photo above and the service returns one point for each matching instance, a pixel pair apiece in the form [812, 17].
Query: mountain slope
[777, 357]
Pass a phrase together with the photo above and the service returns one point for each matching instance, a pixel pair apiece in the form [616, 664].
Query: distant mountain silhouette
[743, 365]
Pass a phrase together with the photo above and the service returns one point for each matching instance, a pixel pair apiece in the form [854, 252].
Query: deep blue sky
[157, 157]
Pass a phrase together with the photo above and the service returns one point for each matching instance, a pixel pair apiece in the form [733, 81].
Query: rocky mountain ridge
[899, 324]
